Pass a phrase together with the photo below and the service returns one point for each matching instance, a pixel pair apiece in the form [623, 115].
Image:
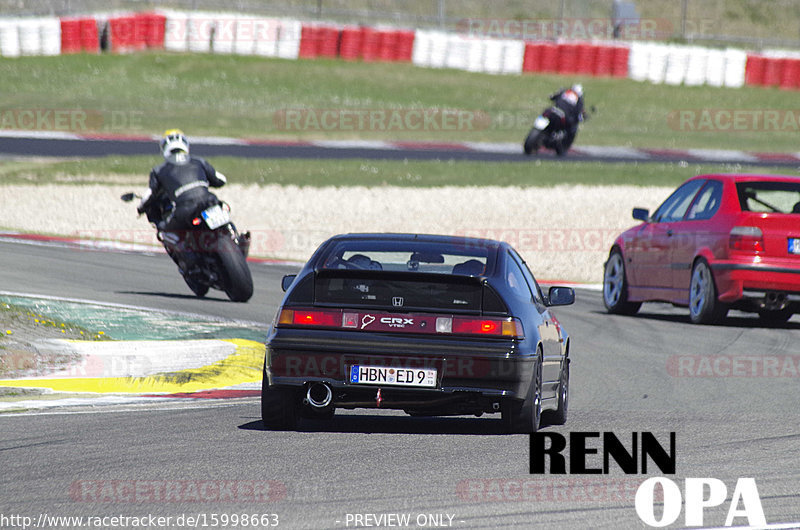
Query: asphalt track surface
[365, 462]
[42, 145]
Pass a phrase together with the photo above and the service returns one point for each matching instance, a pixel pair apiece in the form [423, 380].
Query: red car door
[694, 233]
[651, 259]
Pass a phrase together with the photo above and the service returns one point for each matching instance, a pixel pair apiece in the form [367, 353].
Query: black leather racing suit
[572, 105]
[186, 185]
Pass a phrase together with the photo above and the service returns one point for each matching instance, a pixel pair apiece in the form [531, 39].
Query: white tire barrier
[289, 39]
[9, 38]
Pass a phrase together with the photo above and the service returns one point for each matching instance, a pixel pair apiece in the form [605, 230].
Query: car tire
[279, 408]
[615, 286]
[704, 308]
[559, 416]
[525, 417]
[776, 317]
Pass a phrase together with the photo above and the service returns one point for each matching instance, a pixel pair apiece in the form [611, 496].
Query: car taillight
[310, 318]
[401, 323]
[746, 239]
[482, 326]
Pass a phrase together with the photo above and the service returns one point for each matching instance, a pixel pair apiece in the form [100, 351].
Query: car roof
[431, 238]
[748, 177]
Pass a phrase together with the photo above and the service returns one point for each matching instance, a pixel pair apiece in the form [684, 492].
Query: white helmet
[578, 89]
[173, 140]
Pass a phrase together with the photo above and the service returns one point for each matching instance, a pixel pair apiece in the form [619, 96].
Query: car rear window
[769, 197]
[407, 256]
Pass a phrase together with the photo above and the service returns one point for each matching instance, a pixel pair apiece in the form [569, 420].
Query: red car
[718, 242]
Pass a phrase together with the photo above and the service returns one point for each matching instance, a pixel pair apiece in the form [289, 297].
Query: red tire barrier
[387, 47]
[309, 42]
[71, 35]
[139, 36]
[790, 77]
[532, 60]
[619, 63]
[754, 70]
[122, 34]
[567, 58]
[350, 46]
[156, 27]
[370, 44]
[603, 61]
[773, 71]
[405, 46]
[328, 42]
[586, 58]
[90, 39]
[549, 58]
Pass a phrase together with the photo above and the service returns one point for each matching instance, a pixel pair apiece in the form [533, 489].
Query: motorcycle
[549, 130]
[212, 254]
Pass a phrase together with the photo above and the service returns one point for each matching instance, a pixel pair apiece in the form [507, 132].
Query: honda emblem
[397, 301]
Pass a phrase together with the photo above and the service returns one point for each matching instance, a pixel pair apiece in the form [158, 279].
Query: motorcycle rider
[570, 101]
[182, 181]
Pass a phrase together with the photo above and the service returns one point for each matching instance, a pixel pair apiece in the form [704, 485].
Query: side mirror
[560, 296]
[641, 214]
[128, 197]
[287, 281]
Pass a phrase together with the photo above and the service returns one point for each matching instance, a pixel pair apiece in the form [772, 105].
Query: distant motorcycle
[549, 130]
[212, 254]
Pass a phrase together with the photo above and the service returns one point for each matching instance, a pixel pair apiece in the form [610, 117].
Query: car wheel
[615, 286]
[279, 408]
[776, 317]
[525, 417]
[559, 416]
[704, 308]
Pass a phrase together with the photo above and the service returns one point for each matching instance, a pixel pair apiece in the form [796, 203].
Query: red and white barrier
[232, 33]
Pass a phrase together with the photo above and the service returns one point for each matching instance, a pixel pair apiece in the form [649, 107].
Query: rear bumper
[471, 374]
[737, 280]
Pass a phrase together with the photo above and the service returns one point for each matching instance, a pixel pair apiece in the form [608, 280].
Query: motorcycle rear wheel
[236, 275]
[532, 141]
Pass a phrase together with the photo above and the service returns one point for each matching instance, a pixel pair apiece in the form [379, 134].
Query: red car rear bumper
[735, 278]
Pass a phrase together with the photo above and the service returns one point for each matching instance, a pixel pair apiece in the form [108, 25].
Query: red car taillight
[746, 239]
[404, 323]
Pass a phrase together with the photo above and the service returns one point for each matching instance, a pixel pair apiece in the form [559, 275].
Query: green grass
[241, 97]
[133, 171]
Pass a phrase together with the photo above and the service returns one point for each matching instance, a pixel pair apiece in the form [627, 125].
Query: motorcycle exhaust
[319, 396]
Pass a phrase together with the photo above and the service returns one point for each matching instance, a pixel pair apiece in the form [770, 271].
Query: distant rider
[570, 100]
[181, 180]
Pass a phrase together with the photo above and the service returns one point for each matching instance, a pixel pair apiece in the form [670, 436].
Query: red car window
[674, 208]
[707, 202]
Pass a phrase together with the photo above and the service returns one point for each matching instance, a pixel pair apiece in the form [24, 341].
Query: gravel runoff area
[563, 232]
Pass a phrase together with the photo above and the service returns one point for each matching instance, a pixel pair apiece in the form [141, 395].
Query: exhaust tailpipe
[319, 396]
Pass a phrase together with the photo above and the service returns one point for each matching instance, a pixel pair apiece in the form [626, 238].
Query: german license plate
[215, 217]
[384, 375]
[794, 245]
